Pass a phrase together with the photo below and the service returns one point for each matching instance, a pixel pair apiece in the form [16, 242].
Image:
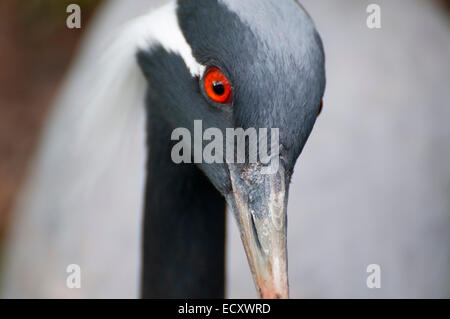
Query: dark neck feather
[184, 226]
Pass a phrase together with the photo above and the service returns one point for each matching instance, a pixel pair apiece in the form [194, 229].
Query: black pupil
[218, 88]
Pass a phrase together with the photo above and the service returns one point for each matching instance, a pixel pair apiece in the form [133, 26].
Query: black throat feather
[184, 223]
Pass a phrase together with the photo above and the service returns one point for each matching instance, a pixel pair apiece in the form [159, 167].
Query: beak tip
[273, 289]
[273, 294]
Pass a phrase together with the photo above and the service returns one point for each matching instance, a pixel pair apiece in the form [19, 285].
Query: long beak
[259, 205]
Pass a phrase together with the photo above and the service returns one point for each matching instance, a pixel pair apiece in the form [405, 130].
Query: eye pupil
[218, 88]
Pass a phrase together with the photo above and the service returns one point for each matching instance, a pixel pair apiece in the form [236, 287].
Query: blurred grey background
[372, 186]
[373, 183]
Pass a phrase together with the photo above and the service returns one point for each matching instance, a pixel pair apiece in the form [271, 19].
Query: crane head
[259, 68]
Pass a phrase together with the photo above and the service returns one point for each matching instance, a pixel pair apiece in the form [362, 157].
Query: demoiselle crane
[227, 63]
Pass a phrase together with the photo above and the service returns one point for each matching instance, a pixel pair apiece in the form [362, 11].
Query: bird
[227, 63]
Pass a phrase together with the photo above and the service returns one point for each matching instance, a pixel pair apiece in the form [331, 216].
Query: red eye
[320, 107]
[217, 86]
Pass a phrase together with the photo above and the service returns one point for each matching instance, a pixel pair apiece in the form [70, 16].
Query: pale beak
[259, 203]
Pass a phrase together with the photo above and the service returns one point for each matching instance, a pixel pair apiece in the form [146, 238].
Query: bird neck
[184, 225]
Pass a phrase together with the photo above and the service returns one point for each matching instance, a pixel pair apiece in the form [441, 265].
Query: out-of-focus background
[36, 49]
[373, 183]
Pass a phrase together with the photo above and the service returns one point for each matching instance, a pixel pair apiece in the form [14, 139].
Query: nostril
[255, 233]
